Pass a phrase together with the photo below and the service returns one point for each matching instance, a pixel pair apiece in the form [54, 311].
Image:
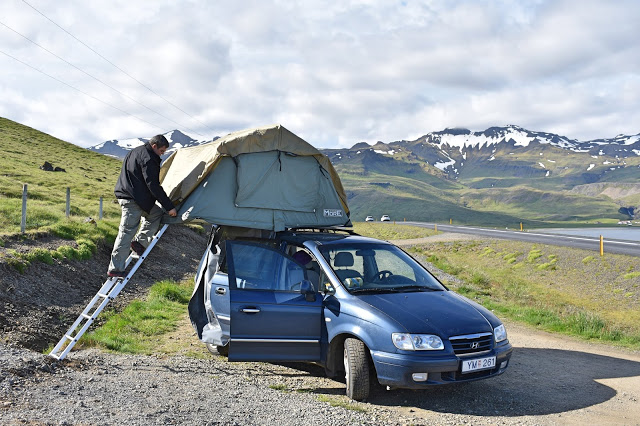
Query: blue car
[361, 307]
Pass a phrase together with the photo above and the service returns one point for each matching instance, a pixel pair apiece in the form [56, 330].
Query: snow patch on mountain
[519, 137]
[444, 164]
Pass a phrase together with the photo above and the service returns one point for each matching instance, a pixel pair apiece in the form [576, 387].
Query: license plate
[478, 364]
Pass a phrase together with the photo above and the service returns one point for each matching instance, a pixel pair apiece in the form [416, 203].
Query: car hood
[444, 313]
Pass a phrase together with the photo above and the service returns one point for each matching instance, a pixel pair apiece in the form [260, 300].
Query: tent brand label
[332, 213]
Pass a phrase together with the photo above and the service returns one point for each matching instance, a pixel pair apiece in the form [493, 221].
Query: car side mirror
[307, 289]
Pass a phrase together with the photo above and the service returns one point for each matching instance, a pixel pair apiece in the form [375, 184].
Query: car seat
[344, 260]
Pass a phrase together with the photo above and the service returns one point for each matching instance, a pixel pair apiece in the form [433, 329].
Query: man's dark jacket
[140, 179]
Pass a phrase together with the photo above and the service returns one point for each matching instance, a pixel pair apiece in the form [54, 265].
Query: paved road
[631, 248]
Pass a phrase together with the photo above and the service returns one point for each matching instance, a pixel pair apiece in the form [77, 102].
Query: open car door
[276, 314]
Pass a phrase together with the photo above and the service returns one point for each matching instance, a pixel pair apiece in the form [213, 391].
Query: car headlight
[417, 342]
[500, 333]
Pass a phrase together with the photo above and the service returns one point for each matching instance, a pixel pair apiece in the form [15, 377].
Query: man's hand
[172, 213]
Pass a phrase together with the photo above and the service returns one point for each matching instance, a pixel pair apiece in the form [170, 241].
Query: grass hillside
[404, 198]
[87, 174]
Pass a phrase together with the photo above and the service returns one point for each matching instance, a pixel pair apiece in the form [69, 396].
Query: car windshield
[376, 268]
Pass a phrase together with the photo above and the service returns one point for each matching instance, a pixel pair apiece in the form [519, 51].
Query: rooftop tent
[264, 178]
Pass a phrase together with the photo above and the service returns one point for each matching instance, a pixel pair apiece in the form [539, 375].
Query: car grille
[454, 376]
[471, 344]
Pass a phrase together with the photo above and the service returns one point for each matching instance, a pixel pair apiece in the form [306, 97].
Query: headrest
[343, 258]
[302, 257]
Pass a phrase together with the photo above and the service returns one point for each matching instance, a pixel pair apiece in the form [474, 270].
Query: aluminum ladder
[109, 291]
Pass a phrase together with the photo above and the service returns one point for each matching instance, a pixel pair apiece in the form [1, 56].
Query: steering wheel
[383, 275]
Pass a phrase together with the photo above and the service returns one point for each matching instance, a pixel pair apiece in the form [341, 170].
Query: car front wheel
[356, 367]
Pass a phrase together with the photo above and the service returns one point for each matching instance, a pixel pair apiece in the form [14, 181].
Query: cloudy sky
[333, 72]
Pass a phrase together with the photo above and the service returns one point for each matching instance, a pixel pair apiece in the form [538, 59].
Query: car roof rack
[328, 229]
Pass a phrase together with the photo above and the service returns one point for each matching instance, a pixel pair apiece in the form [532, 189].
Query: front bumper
[396, 369]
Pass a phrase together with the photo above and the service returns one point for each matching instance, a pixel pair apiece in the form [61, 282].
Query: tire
[356, 367]
[218, 350]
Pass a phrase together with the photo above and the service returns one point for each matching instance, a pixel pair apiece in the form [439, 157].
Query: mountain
[456, 152]
[501, 174]
[119, 148]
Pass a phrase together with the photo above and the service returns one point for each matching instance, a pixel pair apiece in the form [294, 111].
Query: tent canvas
[264, 178]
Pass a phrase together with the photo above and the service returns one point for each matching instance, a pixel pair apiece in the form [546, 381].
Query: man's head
[159, 144]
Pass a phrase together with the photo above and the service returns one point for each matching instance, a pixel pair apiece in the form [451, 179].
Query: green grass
[391, 231]
[89, 176]
[86, 237]
[280, 387]
[140, 326]
[341, 402]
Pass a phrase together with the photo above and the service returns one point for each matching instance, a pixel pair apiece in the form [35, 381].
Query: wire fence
[67, 210]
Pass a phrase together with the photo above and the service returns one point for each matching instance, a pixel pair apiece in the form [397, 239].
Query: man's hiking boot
[137, 248]
[115, 274]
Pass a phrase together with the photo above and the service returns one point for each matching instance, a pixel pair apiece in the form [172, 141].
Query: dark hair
[302, 257]
[160, 141]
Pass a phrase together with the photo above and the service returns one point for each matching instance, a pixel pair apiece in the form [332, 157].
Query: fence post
[68, 209]
[23, 221]
[100, 211]
[601, 246]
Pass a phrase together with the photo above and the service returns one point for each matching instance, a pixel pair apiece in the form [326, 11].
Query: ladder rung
[86, 316]
[106, 296]
[69, 337]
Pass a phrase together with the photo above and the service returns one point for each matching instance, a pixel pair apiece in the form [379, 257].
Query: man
[137, 190]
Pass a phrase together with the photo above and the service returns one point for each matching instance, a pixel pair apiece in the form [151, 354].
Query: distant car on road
[385, 218]
[369, 219]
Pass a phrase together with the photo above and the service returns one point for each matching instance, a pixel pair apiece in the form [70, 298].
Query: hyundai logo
[475, 345]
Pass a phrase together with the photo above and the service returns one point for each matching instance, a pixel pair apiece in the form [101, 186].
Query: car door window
[258, 267]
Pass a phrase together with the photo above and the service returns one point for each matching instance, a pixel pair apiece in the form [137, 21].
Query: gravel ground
[99, 388]
[551, 380]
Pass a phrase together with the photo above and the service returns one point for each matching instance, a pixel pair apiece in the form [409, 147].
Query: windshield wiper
[398, 289]
[374, 290]
[416, 287]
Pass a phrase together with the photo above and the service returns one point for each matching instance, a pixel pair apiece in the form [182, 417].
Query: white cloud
[335, 73]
